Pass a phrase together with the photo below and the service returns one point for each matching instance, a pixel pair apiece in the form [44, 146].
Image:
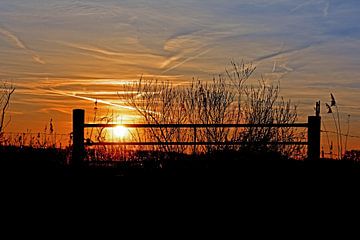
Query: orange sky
[61, 55]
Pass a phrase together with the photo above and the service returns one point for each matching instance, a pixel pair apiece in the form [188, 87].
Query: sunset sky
[63, 54]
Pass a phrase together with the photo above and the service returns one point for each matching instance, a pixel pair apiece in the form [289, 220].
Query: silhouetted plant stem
[337, 134]
[331, 150]
[5, 95]
[327, 134]
[347, 132]
[94, 119]
[340, 133]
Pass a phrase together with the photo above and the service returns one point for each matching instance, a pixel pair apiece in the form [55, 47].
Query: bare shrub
[159, 103]
[227, 99]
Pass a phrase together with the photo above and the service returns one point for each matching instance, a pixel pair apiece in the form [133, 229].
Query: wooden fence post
[78, 137]
[314, 128]
[194, 140]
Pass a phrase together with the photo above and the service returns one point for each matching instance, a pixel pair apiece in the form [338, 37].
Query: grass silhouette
[228, 98]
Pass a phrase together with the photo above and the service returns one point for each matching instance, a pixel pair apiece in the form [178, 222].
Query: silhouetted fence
[313, 135]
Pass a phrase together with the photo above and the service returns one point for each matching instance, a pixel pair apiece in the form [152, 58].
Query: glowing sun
[121, 131]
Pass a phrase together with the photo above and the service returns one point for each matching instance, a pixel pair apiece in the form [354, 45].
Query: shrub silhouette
[228, 98]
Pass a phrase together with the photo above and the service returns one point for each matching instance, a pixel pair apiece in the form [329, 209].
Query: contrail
[283, 52]
[18, 43]
[98, 100]
[105, 52]
[301, 5]
[274, 67]
[94, 49]
[272, 55]
[91, 99]
[37, 59]
[185, 61]
[326, 9]
[284, 66]
[13, 38]
[170, 60]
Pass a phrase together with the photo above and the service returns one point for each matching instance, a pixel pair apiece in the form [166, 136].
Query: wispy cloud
[274, 67]
[326, 8]
[62, 93]
[107, 52]
[94, 46]
[37, 59]
[170, 60]
[301, 5]
[116, 105]
[283, 52]
[12, 38]
[186, 60]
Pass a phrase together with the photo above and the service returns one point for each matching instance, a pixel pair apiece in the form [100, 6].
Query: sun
[121, 131]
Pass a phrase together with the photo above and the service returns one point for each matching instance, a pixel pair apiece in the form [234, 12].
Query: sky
[64, 54]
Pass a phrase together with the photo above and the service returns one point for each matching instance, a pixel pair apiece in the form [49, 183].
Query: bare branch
[5, 96]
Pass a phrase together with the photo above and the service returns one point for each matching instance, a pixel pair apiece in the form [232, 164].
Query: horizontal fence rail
[190, 143]
[279, 125]
[194, 127]
[313, 142]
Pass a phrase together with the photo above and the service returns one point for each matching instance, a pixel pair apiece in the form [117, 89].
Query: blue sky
[54, 49]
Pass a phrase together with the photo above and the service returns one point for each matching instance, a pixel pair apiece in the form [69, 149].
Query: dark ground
[52, 163]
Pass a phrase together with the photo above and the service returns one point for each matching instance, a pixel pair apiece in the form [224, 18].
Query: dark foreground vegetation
[230, 98]
[53, 163]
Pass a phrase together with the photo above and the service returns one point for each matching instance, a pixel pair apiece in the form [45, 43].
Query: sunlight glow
[121, 131]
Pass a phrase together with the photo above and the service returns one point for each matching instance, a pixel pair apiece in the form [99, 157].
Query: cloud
[301, 5]
[284, 52]
[37, 59]
[186, 60]
[13, 38]
[170, 60]
[107, 52]
[95, 45]
[326, 9]
[122, 106]
[188, 46]
[142, 59]
[18, 43]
